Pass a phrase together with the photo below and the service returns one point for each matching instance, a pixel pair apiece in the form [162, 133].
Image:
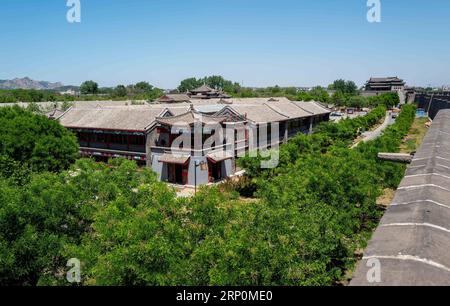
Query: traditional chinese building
[174, 98]
[165, 136]
[385, 84]
[203, 92]
[206, 92]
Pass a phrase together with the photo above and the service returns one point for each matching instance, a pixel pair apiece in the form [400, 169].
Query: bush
[17, 173]
[242, 185]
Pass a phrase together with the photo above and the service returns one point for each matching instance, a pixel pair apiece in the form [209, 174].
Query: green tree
[345, 87]
[215, 82]
[89, 87]
[357, 102]
[36, 220]
[120, 91]
[304, 96]
[138, 235]
[389, 99]
[34, 107]
[319, 94]
[219, 83]
[14, 171]
[143, 87]
[189, 84]
[35, 140]
[339, 99]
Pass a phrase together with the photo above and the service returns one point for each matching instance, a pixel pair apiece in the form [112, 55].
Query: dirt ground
[386, 198]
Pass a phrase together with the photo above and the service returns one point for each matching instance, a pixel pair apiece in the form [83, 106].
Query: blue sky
[254, 42]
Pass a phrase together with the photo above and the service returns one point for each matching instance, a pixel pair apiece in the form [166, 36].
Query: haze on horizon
[255, 42]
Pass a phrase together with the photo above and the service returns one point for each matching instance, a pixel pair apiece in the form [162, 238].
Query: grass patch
[415, 136]
[386, 198]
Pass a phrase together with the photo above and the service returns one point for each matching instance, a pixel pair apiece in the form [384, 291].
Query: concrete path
[371, 135]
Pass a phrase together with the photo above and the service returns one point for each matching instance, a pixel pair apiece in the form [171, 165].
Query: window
[137, 140]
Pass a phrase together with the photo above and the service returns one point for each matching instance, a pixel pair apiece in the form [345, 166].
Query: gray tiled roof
[130, 118]
[174, 159]
[173, 98]
[214, 108]
[220, 155]
[261, 110]
[258, 113]
[139, 117]
[313, 107]
[204, 88]
[412, 242]
[383, 80]
[190, 118]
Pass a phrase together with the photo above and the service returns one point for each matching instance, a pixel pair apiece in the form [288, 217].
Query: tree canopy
[215, 82]
[120, 91]
[34, 140]
[89, 87]
[344, 87]
[143, 87]
[388, 99]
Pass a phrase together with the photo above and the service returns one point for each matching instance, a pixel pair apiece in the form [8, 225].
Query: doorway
[215, 171]
[177, 174]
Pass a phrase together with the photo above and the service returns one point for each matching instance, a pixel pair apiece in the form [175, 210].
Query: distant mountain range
[27, 83]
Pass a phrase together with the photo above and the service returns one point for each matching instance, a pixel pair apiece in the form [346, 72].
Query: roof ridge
[320, 104]
[64, 113]
[159, 116]
[191, 111]
[278, 112]
[305, 110]
[230, 107]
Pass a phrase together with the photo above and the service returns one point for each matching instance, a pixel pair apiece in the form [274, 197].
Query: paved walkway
[371, 135]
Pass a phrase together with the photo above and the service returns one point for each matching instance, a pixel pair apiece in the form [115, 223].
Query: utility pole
[195, 176]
